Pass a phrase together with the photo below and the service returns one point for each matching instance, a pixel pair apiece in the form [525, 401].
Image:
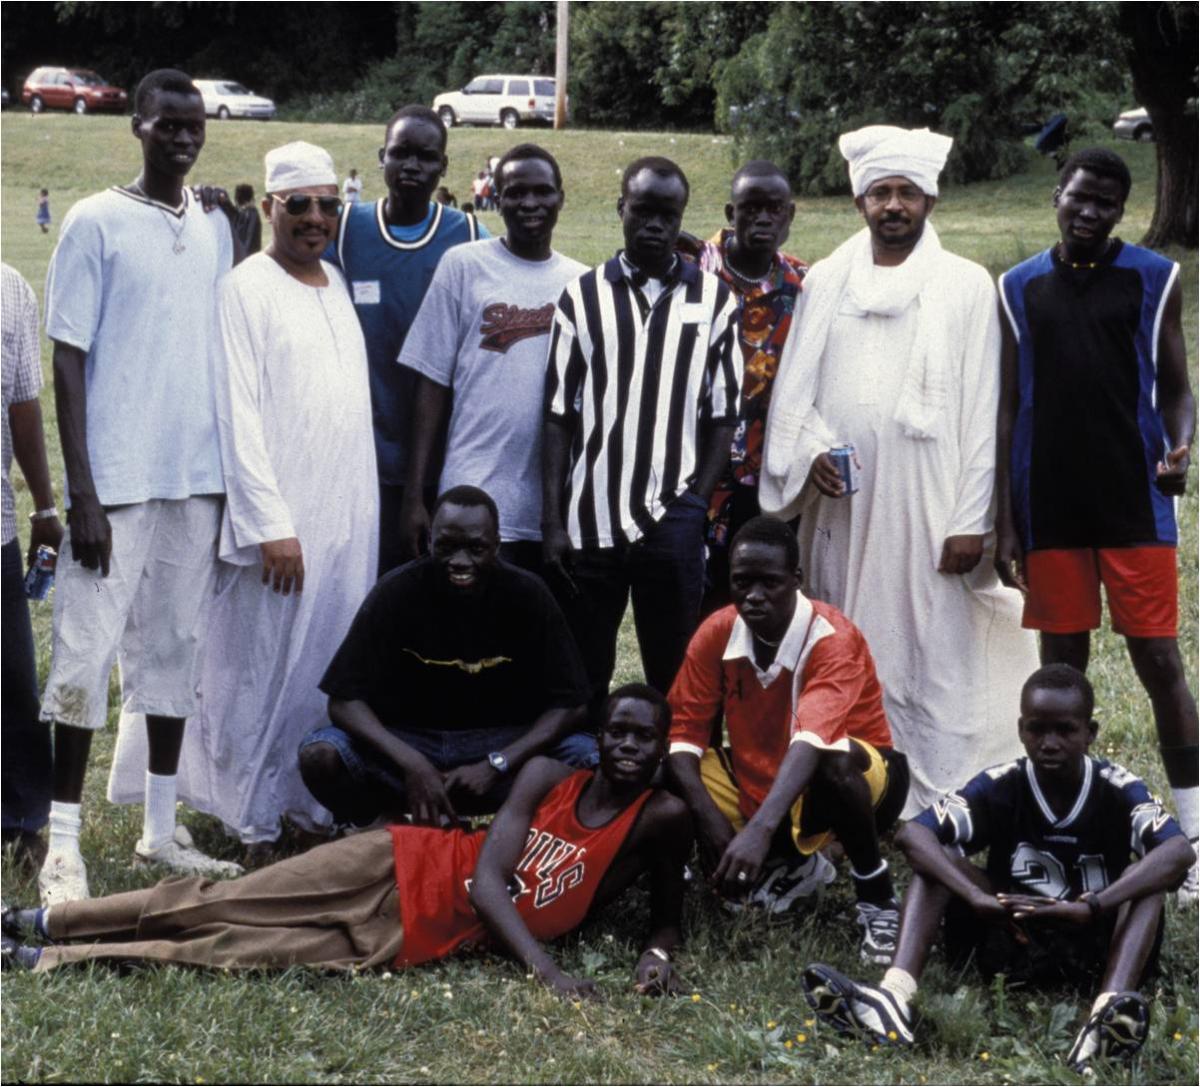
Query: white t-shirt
[483, 331]
[351, 189]
[133, 283]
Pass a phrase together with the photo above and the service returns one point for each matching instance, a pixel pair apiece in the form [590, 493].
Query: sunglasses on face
[298, 204]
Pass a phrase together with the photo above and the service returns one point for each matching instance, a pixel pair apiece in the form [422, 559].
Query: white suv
[223, 98]
[506, 100]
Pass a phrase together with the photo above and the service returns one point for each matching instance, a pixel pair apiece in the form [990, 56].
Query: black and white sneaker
[880, 928]
[786, 884]
[1115, 1032]
[851, 1008]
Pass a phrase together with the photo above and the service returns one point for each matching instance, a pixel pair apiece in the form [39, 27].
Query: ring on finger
[742, 877]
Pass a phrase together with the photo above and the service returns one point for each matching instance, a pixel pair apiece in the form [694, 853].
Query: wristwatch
[499, 762]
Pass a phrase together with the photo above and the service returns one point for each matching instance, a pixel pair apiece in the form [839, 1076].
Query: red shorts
[1141, 583]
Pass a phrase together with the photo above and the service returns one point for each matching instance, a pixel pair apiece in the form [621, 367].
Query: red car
[78, 89]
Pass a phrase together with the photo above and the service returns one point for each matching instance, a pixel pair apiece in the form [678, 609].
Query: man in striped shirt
[641, 404]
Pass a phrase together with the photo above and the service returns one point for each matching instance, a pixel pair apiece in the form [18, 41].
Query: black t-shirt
[424, 656]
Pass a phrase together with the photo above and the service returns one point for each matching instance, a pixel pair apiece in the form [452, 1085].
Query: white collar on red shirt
[803, 632]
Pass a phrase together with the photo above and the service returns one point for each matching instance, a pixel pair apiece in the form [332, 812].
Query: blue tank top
[388, 270]
[1088, 434]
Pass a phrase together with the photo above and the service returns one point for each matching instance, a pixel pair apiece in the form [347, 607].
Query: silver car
[508, 100]
[1134, 124]
[225, 98]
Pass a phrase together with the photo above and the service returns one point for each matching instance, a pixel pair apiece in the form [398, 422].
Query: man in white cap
[299, 535]
[897, 352]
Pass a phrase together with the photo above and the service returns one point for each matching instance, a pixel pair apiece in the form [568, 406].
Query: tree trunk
[1162, 59]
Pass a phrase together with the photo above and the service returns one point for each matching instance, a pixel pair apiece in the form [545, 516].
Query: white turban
[299, 165]
[886, 151]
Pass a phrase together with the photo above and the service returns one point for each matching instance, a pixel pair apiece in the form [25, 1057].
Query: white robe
[949, 649]
[298, 454]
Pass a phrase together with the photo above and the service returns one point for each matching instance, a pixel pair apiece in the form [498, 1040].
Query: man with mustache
[897, 352]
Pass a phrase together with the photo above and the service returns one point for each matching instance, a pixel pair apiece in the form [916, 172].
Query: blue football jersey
[1114, 821]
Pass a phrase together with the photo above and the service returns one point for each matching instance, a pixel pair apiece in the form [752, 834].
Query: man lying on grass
[1079, 856]
[563, 843]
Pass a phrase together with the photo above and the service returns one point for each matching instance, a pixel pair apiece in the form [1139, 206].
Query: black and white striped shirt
[641, 380]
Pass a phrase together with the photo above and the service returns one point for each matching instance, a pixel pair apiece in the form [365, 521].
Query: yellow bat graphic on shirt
[472, 668]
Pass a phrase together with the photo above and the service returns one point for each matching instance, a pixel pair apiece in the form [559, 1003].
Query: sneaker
[1189, 893]
[783, 884]
[1115, 1032]
[14, 954]
[18, 924]
[63, 878]
[181, 855]
[880, 927]
[851, 1008]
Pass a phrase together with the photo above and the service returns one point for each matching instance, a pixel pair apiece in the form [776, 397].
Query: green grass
[480, 1020]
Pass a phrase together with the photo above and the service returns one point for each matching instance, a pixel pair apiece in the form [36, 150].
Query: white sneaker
[181, 855]
[63, 878]
[1188, 894]
[785, 885]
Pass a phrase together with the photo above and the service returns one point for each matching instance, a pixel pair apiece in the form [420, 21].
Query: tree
[1162, 54]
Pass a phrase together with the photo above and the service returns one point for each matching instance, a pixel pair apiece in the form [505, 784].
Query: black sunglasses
[298, 204]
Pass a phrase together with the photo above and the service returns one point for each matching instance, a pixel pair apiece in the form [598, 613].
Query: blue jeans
[25, 762]
[446, 750]
[664, 574]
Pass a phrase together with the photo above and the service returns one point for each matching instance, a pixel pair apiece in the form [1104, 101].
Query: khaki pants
[335, 906]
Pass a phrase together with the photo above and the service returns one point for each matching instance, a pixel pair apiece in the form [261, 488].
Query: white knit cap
[887, 151]
[299, 165]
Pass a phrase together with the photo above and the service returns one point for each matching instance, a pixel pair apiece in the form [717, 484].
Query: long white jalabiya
[904, 363]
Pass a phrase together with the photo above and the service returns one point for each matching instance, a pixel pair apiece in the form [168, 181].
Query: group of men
[366, 511]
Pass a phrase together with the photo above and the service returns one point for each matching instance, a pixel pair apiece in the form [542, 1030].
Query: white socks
[158, 821]
[901, 984]
[1186, 809]
[65, 820]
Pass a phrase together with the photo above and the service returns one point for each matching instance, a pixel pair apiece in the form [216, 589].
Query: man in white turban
[299, 537]
[897, 352]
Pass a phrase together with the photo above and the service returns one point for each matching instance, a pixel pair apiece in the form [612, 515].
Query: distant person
[457, 670]
[389, 249]
[477, 190]
[445, 196]
[42, 218]
[479, 344]
[641, 403]
[131, 309]
[297, 544]
[748, 256]
[352, 188]
[248, 224]
[896, 352]
[1079, 855]
[1097, 420]
[563, 846]
[468, 208]
[25, 752]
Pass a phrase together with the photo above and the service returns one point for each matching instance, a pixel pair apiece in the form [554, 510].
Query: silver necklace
[178, 246]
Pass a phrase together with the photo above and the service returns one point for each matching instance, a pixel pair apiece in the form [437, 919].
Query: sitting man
[563, 843]
[1060, 898]
[457, 669]
[810, 753]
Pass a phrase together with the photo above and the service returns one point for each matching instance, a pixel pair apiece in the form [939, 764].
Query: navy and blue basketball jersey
[1088, 434]
[388, 270]
[1114, 821]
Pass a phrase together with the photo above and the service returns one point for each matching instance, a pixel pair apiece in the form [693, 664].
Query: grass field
[480, 1020]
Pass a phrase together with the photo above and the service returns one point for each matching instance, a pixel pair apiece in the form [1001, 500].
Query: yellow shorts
[717, 774]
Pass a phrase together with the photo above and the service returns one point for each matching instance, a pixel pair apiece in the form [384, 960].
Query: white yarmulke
[887, 151]
[299, 165]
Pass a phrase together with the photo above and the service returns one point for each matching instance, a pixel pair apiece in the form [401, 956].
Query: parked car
[507, 100]
[78, 89]
[225, 98]
[1134, 124]
[3, 98]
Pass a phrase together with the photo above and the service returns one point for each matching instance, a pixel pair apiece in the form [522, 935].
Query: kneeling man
[457, 669]
[564, 843]
[1079, 856]
[810, 753]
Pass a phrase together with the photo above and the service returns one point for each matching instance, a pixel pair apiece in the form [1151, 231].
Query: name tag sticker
[693, 313]
[366, 292]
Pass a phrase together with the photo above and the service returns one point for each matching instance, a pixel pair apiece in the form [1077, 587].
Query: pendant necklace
[178, 246]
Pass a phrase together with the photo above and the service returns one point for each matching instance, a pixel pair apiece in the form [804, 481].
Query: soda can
[40, 579]
[843, 457]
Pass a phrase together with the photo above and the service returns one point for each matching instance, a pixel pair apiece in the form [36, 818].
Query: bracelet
[657, 952]
[44, 515]
[1093, 903]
